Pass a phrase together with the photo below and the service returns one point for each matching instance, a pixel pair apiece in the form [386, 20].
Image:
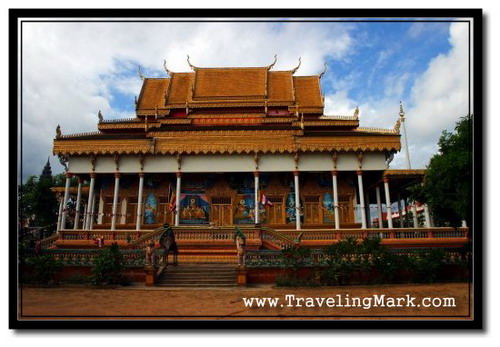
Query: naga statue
[167, 242]
[240, 241]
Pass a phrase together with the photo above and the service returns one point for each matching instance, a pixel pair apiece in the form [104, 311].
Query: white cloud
[439, 97]
[69, 68]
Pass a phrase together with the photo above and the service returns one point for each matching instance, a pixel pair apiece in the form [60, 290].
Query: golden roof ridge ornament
[356, 112]
[324, 70]
[295, 70]
[273, 63]
[191, 65]
[401, 110]
[58, 131]
[165, 67]
[140, 73]
[397, 126]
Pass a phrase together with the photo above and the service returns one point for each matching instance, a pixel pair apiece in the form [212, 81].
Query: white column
[367, 211]
[428, 223]
[123, 218]
[178, 198]
[336, 199]
[256, 184]
[139, 202]
[59, 216]
[91, 215]
[361, 199]
[85, 214]
[297, 199]
[89, 204]
[414, 212]
[388, 202]
[115, 201]
[78, 198]
[400, 211]
[65, 201]
[379, 207]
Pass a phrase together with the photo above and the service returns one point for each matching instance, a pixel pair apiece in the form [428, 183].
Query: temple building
[235, 146]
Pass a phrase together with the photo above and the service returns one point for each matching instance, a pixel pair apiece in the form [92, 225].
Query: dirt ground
[138, 302]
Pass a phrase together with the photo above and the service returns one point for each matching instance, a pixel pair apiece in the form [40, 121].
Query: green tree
[447, 185]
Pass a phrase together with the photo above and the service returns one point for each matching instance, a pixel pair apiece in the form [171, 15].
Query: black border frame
[477, 230]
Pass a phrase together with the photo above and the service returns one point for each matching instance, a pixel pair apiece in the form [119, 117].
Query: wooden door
[276, 212]
[107, 210]
[131, 215]
[312, 210]
[346, 213]
[222, 211]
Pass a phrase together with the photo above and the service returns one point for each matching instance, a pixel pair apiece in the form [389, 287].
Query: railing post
[430, 234]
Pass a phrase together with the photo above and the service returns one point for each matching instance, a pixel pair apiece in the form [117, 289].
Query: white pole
[414, 212]
[91, 215]
[379, 207]
[139, 202]
[335, 200]
[297, 199]
[400, 211]
[178, 198]
[85, 214]
[388, 202]
[115, 201]
[65, 201]
[256, 184]
[361, 199]
[90, 201]
[427, 216]
[78, 198]
[59, 216]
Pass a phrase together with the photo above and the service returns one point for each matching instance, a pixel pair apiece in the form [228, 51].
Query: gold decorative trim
[377, 130]
[225, 115]
[225, 133]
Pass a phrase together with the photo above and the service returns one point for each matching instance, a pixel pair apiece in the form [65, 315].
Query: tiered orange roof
[226, 110]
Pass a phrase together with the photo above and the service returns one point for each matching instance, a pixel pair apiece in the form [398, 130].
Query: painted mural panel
[291, 211]
[328, 209]
[194, 209]
[150, 209]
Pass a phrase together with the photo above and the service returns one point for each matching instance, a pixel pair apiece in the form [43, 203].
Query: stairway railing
[143, 241]
[276, 239]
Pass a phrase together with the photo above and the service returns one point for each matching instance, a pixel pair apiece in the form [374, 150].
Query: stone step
[198, 275]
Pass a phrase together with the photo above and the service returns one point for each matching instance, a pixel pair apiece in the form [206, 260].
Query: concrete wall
[229, 163]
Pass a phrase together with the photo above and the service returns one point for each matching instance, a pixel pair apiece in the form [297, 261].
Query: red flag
[172, 204]
[264, 200]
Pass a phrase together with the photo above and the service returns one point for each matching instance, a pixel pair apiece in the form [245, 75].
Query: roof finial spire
[191, 65]
[140, 73]
[356, 112]
[58, 131]
[274, 62]
[401, 110]
[295, 70]
[324, 70]
[99, 115]
[166, 69]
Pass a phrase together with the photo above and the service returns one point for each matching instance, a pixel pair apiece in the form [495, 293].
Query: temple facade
[234, 146]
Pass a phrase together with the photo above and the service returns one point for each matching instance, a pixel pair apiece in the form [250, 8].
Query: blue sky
[72, 70]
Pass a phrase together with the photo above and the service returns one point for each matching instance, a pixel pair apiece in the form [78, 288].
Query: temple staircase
[198, 275]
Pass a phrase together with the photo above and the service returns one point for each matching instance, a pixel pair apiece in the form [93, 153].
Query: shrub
[108, 265]
[45, 267]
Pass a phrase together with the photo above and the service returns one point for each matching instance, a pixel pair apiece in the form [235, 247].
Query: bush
[108, 265]
[45, 266]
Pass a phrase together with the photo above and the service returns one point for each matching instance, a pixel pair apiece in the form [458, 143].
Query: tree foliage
[37, 202]
[447, 186]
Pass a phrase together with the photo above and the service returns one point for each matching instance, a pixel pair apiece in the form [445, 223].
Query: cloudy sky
[72, 70]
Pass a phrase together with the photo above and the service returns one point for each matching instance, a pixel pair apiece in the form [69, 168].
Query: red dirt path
[178, 303]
